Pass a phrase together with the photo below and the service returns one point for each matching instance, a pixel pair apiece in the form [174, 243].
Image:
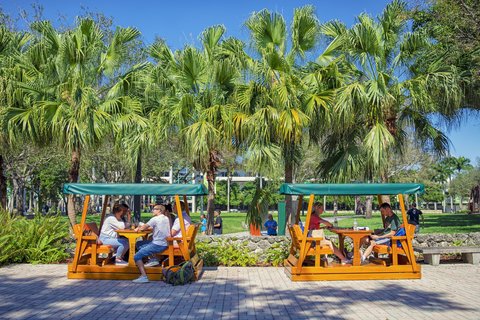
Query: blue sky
[180, 22]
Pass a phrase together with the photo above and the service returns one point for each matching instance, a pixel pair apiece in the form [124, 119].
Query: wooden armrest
[177, 239]
[399, 238]
[89, 237]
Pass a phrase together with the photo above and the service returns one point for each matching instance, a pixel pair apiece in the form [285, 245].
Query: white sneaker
[347, 261]
[152, 263]
[121, 263]
[141, 279]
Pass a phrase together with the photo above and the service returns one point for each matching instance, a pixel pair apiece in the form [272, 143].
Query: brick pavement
[43, 292]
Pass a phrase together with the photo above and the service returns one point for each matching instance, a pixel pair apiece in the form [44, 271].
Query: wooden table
[132, 237]
[356, 236]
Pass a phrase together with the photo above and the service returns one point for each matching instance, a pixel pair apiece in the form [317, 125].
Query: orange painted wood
[354, 276]
[356, 236]
[303, 239]
[132, 237]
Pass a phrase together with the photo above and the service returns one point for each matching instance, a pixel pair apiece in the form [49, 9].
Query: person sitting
[109, 236]
[169, 213]
[392, 224]
[315, 222]
[176, 229]
[160, 226]
[271, 225]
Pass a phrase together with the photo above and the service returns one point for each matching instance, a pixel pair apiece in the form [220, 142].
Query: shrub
[277, 253]
[208, 253]
[40, 240]
[226, 253]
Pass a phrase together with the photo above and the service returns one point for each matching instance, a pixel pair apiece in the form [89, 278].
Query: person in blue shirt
[271, 226]
[203, 221]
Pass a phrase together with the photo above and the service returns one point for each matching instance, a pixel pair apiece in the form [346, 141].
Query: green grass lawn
[232, 222]
[434, 223]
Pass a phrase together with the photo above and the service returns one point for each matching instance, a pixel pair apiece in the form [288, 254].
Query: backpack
[400, 232]
[179, 274]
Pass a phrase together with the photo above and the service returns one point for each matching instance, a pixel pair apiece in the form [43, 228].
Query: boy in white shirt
[160, 225]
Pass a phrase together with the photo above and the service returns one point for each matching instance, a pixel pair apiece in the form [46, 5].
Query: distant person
[218, 225]
[271, 226]
[160, 226]
[414, 215]
[203, 221]
[45, 209]
[109, 236]
[392, 223]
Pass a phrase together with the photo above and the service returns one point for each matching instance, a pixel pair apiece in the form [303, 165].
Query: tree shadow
[230, 293]
[468, 223]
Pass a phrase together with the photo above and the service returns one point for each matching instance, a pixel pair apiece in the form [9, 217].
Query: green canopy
[135, 189]
[352, 189]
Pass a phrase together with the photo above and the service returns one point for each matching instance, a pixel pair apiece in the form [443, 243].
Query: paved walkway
[42, 291]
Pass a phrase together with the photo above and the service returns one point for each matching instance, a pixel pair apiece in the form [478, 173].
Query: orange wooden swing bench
[93, 260]
[304, 262]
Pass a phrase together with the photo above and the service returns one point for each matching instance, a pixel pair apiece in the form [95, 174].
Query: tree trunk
[288, 198]
[138, 179]
[17, 194]
[368, 207]
[210, 200]
[335, 205]
[3, 186]
[73, 173]
[211, 175]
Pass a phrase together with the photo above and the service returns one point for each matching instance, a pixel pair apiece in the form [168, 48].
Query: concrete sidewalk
[43, 292]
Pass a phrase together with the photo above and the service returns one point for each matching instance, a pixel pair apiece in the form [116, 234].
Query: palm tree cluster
[356, 101]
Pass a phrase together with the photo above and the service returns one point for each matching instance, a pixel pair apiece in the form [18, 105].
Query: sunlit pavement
[450, 291]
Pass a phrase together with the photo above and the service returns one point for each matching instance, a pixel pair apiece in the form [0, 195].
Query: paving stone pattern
[449, 291]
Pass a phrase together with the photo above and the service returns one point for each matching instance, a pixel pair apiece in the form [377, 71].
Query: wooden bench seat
[398, 251]
[311, 250]
[176, 247]
[91, 245]
[431, 255]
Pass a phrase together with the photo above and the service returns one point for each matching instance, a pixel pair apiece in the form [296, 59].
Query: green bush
[208, 253]
[226, 253]
[40, 240]
[277, 253]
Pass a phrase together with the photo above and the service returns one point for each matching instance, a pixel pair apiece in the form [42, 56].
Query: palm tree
[70, 104]
[462, 163]
[12, 46]
[386, 96]
[278, 103]
[191, 93]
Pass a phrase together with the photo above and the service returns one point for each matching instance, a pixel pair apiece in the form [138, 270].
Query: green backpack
[180, 274]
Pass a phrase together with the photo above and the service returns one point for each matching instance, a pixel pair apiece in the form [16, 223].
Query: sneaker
[141, 279]
[152, 263]
[347, 261]
[121, 263]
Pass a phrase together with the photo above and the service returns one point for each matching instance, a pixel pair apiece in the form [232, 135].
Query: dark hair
[117, 208]
[124, 205]
[414, 205]
[385, 205]
[168, 207]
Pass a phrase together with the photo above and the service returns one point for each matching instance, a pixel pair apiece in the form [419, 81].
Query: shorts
[148, 250]
[384, 241]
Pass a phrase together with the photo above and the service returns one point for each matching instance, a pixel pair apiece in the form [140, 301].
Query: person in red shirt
[315, 222]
